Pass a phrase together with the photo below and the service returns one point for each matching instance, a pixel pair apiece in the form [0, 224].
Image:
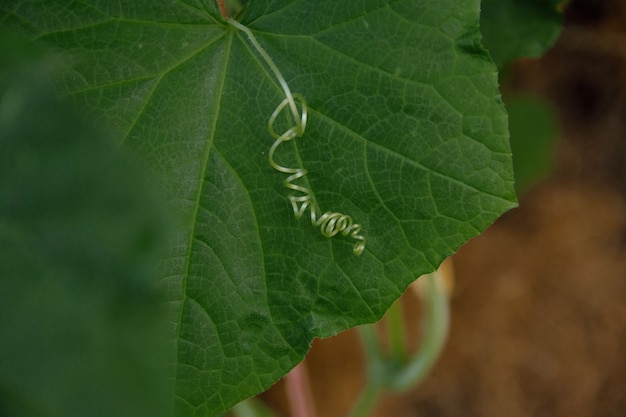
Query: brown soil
[539, 306]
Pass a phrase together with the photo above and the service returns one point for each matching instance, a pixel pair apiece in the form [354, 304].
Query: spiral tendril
[330, 223]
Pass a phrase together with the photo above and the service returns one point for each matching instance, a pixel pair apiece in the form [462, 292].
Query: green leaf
[406, 133]
[81, 331]
[534, 131]
[519, 28]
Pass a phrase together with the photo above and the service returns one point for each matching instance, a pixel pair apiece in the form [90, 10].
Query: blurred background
[538, 320]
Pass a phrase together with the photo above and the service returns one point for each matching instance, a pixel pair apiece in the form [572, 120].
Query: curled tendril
[330, 223]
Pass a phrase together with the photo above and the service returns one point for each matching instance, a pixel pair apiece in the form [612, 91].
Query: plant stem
[251, 408]
[366, 403]
[299, 392]
[244, 409]
[223, 9]
[375, 378]
[395, 327]
[435, 331]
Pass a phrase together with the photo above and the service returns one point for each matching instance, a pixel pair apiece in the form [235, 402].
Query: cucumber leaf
[406, 133]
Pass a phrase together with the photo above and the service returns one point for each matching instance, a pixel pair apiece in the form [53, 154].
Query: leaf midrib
[206, 156]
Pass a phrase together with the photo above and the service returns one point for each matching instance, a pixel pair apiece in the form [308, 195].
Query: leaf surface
[406, 133]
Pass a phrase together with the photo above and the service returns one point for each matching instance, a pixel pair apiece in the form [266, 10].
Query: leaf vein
[199, 193]
[404, 157]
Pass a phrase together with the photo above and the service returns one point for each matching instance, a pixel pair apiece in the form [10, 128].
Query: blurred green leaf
[534, 132]
[80, 331]
[519, 28]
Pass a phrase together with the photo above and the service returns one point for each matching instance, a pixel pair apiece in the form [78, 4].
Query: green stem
[397, 338]
[370, 346]
[244, 409]
[251, 408]
[366, 403]
[383, 374]
[375, 378]
[435, 331]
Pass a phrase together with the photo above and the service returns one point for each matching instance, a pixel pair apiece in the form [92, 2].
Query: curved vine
[330, 223]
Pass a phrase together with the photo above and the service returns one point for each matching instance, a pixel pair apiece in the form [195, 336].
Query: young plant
[405, 132]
